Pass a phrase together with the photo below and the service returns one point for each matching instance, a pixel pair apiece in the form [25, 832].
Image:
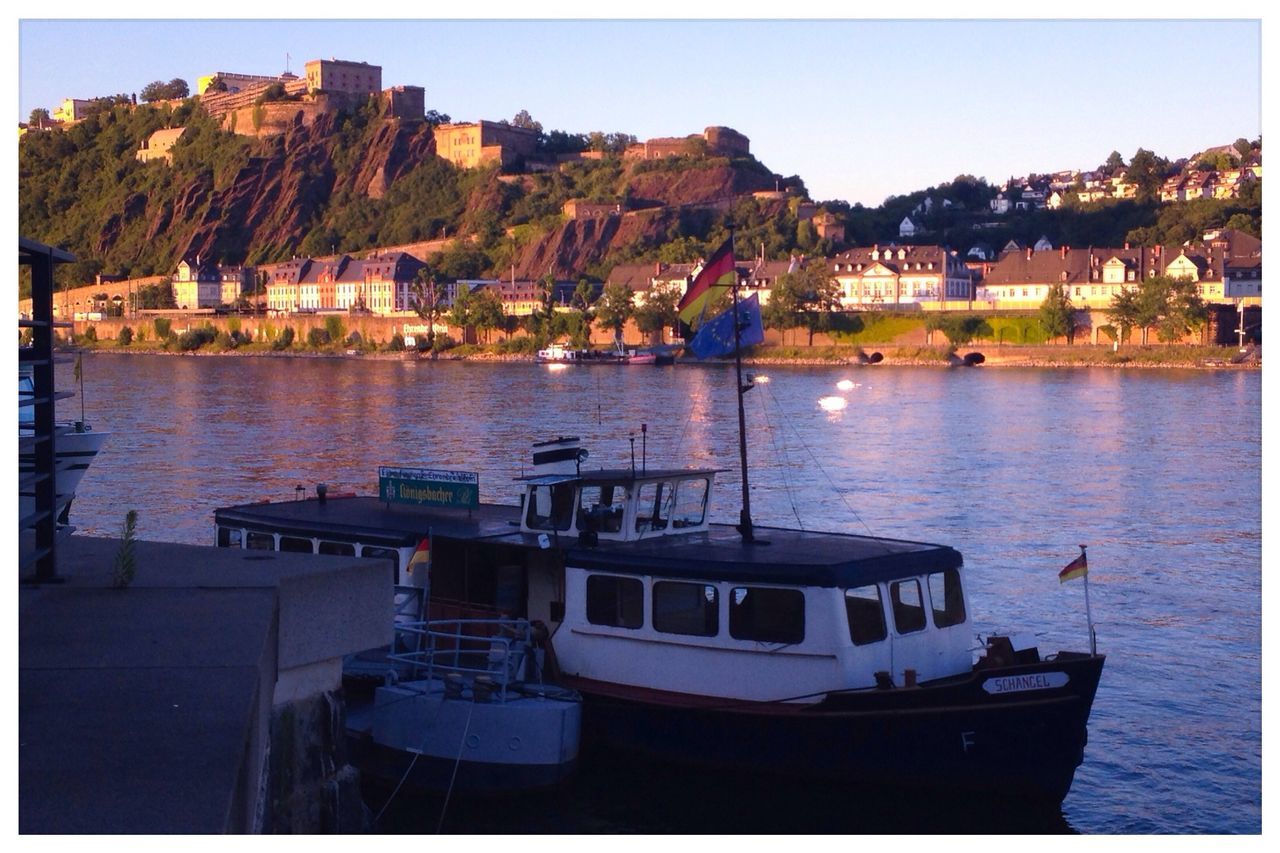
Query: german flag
[718, 271]
[421, 556]
[1077, 568]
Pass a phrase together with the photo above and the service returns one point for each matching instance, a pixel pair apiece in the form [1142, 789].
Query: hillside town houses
[1226, 266]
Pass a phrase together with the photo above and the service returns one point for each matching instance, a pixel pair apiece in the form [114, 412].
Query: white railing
[493, 651]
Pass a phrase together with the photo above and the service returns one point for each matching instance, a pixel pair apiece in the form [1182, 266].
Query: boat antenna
[633, 455]
[644, 448]
[745, 527]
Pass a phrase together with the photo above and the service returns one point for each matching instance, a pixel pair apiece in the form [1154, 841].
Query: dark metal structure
[37, 563]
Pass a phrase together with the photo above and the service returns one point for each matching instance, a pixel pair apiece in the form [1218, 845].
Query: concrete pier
[203, 698]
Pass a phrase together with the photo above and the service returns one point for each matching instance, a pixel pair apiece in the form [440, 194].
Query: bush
[317, 338]
[333, 325]
[396, 344]
[192, 339]
[284, 341]
[443, 342]
[354, 340]
[518, 346]
[125, 337]
[164, 328]
[227, 340]
[90, 334]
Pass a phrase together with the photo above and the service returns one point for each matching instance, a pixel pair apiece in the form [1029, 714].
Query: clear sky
[859, 109]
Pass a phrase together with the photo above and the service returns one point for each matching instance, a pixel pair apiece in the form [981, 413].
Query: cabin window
[615, 601]
[865, 611]
[340, 549]
[690, 504]
[908, 608]
[653, 507]
[296, 544]
[948, 600]
[229, 537]
[600, 507]
[686, 608]
[766, 614]
[261, 541]
[550, 507]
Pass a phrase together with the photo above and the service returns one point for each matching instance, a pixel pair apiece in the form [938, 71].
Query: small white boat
[464, 709]
[75, 446]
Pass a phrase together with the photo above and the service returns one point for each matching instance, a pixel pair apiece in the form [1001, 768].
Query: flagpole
[1088, 611]
[745, 526]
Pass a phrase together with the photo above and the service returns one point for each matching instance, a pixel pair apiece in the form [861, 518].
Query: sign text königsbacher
[429, 487]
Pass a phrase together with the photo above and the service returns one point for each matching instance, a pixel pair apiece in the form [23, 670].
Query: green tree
[1125, 312]
[38, 116]
[786, 300]
[1057, 314]
[659, 310]
[486, 312]
[428, 302]
[813, 294]
[580, 302]
[614, 307]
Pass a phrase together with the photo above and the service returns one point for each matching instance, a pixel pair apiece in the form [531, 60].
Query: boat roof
[617, 475]
[780, 555]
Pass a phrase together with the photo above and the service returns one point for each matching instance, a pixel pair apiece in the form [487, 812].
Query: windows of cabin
[686, 608]
[908, 606]
[260, 541]
[766, 614]
[341, 549]
[550, 507]
[296, 544]
[865, 611]
[601, 506]
[690, 503]
[947, 599]
[653, 506]
[615, 601]
[229, 537]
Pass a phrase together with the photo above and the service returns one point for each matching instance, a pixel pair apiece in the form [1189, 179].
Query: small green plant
[164, 328]
[284, 341]
[125, 563]
[125, 337]
[317, 338]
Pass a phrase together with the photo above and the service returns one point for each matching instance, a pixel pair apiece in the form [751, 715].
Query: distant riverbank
[995, 356]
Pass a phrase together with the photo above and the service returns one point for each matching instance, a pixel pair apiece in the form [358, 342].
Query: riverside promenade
[203, 698]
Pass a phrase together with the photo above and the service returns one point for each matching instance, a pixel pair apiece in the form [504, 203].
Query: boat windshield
[601, 507]
[550, 507]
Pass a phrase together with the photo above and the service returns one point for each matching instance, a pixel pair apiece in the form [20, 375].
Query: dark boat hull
[956, 736]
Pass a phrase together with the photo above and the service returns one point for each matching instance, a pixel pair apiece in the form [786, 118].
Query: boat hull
[74, 452]
[959, 736]
[414, 731]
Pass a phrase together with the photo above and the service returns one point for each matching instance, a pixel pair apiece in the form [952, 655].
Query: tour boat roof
[618, 475]
[798, 557]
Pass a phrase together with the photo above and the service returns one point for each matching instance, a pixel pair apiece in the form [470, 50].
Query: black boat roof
[800, 557]
[619, 475]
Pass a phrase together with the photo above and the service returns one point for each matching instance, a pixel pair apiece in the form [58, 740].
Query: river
[1159, 472]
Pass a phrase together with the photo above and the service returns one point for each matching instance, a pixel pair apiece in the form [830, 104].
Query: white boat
[464, 708]
[75, 446]
[818, 656]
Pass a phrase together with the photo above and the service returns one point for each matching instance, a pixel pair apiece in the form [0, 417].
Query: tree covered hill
[357, 181]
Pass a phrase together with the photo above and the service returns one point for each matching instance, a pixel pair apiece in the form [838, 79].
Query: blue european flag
[715, 338]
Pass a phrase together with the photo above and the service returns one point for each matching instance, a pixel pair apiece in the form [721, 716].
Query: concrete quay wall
[203, 698]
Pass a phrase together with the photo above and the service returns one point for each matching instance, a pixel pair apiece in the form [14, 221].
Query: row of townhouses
[1226, 267]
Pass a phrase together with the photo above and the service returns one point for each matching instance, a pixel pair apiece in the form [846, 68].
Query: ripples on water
[1159, 472]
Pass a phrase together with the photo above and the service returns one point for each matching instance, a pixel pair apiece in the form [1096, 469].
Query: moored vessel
[792, 652]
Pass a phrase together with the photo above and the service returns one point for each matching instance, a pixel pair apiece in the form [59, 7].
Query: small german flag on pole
[421, 556]
[1077, 568]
